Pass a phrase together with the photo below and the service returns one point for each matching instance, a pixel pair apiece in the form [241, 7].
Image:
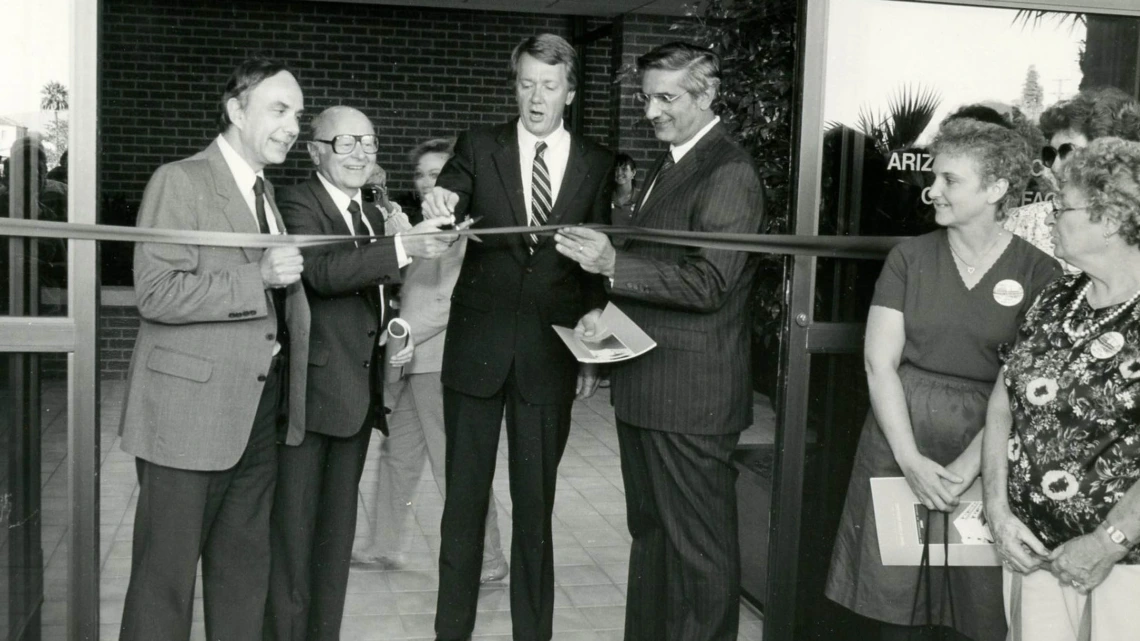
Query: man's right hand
[281, 266]
[416, 244]
[440, 203]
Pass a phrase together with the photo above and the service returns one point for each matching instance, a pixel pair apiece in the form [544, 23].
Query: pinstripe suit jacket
[207, 326]
[693, 302]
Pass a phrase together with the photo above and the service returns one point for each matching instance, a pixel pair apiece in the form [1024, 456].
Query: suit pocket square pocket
[168, 361]
[687, 340]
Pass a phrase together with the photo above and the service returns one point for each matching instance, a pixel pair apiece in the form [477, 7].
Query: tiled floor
[591, 544]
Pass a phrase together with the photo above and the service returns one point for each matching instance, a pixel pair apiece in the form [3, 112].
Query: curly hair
[999, 151]
[1096, 113]
[1108, 172]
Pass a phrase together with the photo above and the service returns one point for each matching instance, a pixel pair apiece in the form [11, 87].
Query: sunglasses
[1051, 154]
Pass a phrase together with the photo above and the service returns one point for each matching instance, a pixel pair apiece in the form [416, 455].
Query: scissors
[467, 223]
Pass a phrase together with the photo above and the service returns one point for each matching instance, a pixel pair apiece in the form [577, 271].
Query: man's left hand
[1084, 562]
[590, 249]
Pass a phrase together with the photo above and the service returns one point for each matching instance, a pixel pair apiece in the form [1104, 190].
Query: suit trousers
[221, 517]
[536, 439]
[684, 564]
[415, 429]
[313, 526]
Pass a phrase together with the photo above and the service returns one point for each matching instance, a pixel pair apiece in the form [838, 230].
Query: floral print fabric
[1074, 449]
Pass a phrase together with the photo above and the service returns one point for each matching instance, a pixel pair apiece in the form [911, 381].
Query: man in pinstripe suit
[681, 407]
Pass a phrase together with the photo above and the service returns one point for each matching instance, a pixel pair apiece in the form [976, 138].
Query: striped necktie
[540, 200]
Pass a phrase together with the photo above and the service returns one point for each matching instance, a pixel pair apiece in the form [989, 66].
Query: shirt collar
[243, 173]
[340, 199]
[679, 151]
[555, 138]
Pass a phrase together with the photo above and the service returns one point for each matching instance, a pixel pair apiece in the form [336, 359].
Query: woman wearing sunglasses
[1070, 125]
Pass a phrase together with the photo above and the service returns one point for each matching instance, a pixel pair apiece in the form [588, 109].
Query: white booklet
[618, 339]
[900, 519]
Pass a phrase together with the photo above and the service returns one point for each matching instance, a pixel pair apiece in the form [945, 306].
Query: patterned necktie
[277, 293]
[540, 200]
[358, 227]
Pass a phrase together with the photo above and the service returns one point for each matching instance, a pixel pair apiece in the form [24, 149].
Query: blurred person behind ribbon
[416, 423]
[1062, 441]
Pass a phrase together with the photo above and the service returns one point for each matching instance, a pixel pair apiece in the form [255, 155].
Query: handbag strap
[946, 587]
[923, 572]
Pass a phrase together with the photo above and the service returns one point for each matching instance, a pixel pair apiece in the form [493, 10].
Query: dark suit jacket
[339, 279]
[506, 299]
[207, 326]
[693, 302]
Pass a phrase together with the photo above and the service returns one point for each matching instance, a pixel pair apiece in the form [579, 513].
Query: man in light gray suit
[217, 375]
[416, 423]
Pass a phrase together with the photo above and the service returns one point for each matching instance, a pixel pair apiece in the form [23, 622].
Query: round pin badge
[1107, 345]
[1009, 292]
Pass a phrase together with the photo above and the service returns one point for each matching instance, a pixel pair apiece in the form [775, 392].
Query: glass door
[878, 76]
[49, 544]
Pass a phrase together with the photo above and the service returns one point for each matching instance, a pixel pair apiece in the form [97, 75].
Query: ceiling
[602, 8]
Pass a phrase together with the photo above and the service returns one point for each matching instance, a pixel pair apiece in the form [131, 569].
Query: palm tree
[909, 112]
[53, 97]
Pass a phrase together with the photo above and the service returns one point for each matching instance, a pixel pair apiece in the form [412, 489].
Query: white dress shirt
[556, 156]
[341, 200]
[246, 178]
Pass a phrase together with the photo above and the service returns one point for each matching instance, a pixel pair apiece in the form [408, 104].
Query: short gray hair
[701, 65]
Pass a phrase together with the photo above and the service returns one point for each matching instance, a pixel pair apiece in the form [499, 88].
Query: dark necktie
[277, 293]
[540, 200]
[373, 294]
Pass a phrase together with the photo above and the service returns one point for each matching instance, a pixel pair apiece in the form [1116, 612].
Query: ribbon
[826, 246]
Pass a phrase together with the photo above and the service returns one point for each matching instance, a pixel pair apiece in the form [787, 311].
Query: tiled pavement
[591, 543]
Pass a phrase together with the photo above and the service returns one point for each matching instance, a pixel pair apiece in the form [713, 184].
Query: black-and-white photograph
[570, 320]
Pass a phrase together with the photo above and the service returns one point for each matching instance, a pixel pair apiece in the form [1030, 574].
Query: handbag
[1084, 632]
[931, 630]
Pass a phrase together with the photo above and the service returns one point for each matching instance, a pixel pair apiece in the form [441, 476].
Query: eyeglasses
[1058, 210]
[345, 143]
[1051, 154]
[643, 98]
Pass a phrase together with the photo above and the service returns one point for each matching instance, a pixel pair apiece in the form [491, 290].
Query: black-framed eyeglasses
[1051, 154]
[643, 98]
[345, 143]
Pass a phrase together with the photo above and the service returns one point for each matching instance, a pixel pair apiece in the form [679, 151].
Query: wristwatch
[1116, 536]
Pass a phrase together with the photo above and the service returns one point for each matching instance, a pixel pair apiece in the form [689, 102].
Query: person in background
[416, 423]
[59, 172]
[943, 304]
[1070, 125]
[625, 194]
[1062, 441]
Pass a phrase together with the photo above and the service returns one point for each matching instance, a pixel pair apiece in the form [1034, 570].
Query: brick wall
[418, 72]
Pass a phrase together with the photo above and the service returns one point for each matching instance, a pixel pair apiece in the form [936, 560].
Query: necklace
[1086, 329]
[970, 269]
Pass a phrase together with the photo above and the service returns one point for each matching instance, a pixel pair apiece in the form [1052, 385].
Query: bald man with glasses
[314, 511]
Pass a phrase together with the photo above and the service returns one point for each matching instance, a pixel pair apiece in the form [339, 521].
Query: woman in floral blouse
[1062, 439]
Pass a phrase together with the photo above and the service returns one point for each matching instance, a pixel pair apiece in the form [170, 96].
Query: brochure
[901, 519]
[619, 339]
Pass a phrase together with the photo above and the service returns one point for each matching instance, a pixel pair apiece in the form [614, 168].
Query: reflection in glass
[33, 498]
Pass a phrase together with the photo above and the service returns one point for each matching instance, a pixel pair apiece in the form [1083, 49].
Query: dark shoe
[496, 570]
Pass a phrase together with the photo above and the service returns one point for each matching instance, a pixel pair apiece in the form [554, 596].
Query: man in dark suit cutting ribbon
[501, 353]
[314, 510]
[680, 408]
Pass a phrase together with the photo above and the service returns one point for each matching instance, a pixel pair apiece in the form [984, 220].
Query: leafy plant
[909, 112]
